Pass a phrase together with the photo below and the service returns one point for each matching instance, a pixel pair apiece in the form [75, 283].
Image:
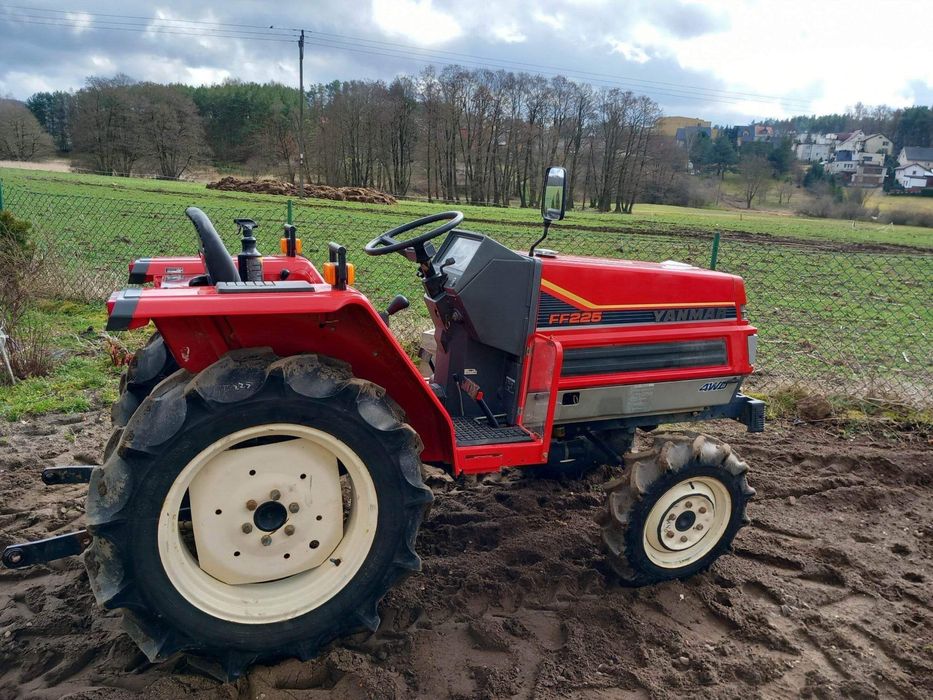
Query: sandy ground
[826, 595]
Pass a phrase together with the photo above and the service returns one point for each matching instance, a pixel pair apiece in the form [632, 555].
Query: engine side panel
[642, 338]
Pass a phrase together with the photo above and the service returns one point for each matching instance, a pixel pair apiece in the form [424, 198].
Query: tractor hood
[595, 292]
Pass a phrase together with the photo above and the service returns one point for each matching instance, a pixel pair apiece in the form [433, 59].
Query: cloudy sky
[730, 61]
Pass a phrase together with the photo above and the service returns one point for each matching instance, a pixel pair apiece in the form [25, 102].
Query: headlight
[752, 348]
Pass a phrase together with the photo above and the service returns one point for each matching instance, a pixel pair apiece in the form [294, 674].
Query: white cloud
[80, 20]
[629, 51]
[799, 47]
[554, 21]
[22, 84]
[721, 59]
[509, 33]
[416, 20]
[102, 64]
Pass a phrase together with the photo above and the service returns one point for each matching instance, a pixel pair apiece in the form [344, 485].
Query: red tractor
[262, 489]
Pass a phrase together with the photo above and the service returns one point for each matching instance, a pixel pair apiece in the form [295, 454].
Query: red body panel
[615, 283]
[154, 269]
[601, 287]
[599, 303]
[199, 325]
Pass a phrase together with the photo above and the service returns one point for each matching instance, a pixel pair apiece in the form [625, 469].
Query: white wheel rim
[687, 522]
[274, 599]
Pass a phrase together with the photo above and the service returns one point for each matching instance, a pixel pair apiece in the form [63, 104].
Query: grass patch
[83, 378]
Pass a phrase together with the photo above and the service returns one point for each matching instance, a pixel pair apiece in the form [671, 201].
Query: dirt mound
[826, 595]
[366, 195]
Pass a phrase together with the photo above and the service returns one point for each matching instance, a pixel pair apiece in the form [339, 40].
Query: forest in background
[457, 134]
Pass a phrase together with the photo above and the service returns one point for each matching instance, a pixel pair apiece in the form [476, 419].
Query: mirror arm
[547, 225]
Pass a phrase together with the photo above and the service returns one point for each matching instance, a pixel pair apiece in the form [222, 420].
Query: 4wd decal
[714, 386]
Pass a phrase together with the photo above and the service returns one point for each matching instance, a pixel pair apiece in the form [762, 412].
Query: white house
[812, 152]
[913, 176]
[851, 141]
[877, 143]
[916, 154]
[859, 159]
[857, 168]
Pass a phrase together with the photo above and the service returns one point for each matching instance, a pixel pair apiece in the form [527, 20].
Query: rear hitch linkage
[18, 556]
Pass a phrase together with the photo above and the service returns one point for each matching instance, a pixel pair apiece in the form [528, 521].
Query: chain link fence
[834, 318]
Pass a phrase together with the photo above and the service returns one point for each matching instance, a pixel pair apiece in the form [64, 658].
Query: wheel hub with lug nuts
[687, 521]
[255, 516]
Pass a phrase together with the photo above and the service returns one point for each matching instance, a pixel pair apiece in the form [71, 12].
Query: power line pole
[301, 115]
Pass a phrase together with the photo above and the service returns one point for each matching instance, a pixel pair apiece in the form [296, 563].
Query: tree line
[456, 134]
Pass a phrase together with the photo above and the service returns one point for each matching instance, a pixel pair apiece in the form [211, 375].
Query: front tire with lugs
[257, 510]
[675, 509]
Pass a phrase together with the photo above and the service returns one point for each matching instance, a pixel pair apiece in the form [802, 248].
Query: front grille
[610, 359]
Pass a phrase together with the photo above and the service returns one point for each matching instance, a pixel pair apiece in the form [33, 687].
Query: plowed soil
[828, 594]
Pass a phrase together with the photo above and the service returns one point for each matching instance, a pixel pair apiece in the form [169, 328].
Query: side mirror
[554, 195]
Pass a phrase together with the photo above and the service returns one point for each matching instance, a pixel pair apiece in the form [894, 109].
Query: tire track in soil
[827, 594]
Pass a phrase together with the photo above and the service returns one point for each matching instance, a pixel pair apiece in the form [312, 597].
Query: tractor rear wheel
[675, 509]
[257, 510]
[150, 365]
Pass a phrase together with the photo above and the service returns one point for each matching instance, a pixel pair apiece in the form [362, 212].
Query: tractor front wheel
[257, 510]
[675, 509]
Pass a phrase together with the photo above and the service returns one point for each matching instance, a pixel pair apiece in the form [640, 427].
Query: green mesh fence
[833, 318]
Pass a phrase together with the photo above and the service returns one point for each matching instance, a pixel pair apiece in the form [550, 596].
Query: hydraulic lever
[473, 390]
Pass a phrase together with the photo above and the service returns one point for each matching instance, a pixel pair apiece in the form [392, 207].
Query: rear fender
[144, 270]
[199, 326]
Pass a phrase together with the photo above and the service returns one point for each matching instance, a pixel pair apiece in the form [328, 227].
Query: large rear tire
[269, 567]
[151, 364]
[675, 509]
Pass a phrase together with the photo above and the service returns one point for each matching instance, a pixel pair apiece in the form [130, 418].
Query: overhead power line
[74, 24]
[628, 79]
[648, 90]
[79, 19]
[142, 17]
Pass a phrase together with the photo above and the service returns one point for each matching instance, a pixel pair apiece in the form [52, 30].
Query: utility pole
[301, 115]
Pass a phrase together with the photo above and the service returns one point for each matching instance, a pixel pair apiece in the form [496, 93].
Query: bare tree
[172, 129]
[21, 136]
[754, 173]
[108, 129]
[398, 133]
[279, 138]
[665, 172]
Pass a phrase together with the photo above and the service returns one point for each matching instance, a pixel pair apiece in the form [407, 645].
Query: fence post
[1, 196]
[289, 217]
[714, 257]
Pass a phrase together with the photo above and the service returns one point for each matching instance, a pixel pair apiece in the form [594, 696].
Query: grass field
[654, 217]
[833, 316]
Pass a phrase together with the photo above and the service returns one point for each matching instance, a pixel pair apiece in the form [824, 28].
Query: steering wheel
[217, 260]
[386, 243]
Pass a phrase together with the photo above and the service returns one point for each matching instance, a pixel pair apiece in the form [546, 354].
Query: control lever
[399, 303]
[448, 261]
[473, 390]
